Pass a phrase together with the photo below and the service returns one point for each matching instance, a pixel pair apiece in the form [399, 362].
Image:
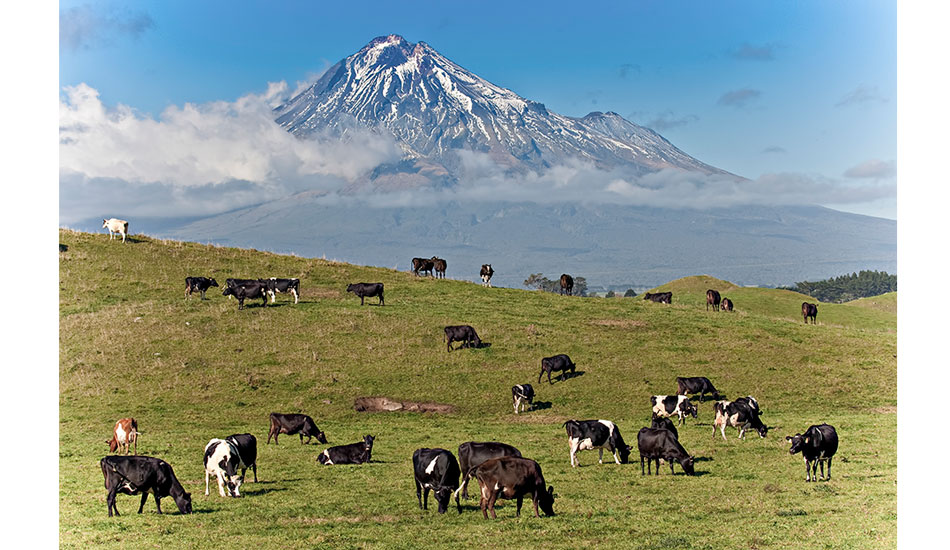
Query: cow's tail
[463, 487]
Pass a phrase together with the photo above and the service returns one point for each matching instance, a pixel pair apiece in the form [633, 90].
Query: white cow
[115, 227]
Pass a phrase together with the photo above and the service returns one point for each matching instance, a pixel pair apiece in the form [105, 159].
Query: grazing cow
[656, 444]
[199, 284]
[222, 461]
[557, 363]
[438, 471]
[354, 453]
[512, 477]
[439, 265]
[712, 299]
[125, 431]
[461, 333]
[276, 286]
[738, 414]
[659, 297]
[596, 434]
[132, 475]
[696, 384]
[567, 284]
[473, 453]
[668, 405]
[817, 446]
[726, 305]
[246, 445]
[663, 423]
[810, 311]
[293, 423]
[486, 274]
[116, 227]
[364, 290]
[256, 289]
[522, 395]
[422, 264]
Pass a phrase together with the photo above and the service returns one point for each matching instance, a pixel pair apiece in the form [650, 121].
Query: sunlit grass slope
[189, 370]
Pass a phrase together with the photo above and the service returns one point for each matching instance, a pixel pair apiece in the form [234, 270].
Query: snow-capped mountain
[434, 108]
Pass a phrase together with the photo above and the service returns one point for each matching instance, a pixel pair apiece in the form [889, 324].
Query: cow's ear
[807, 440]
[788, 438]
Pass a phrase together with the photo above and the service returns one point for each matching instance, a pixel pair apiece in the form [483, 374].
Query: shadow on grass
[565, 376]
[540, 406]
[263, 491]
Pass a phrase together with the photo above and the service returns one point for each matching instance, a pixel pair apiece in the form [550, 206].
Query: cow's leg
[135, 443]
[144, 498]
[671, 467]
[419, 494]
[600, 455]
[518, 507]
[829, 470]
[296, 295]
[255, 471]
[723, 428]
[742, 431]
[425, 498]
[641, 464]
[158, 503]
[221, 484]
[807, 470]
[203, 294]
[207, 476]
[515, 399]
[110, 503]
[361, 299]
[657, 466]
[616, 459]
[574, 443]
[491, 503]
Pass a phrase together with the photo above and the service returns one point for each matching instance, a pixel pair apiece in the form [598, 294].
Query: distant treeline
[848, 287]
[540, 282]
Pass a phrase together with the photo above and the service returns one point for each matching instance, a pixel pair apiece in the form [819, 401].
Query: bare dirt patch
[385, 404]
[323, 293]
[619, 323]
[885, 410]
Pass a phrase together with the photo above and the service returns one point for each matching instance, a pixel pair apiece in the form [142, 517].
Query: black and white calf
[438, 471]
[246, 445]
[132, 475]
[198, 284]
[738, 414]
[367, 290]
[557, 363]
[486, 274]
[276, 286]
[818, 445]
[354, 453]
[222, 461]
[655, 444]
[668, 405]
[294, 424]
[522, 395]
[694, 385]
[596, 434]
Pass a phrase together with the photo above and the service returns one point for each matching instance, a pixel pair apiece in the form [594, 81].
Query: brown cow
[810, 310]
[126, 431]
[567, 284]
[712, 299]
[512, 477]
[439, 265]
[726, 305]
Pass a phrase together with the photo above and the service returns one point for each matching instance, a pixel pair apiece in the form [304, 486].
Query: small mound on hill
[385, 404]
[696, 284]
[885, 302]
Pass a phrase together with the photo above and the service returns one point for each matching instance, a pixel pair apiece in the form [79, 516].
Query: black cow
[668, 405]
[473, 453]
[276, 286]
[436, 470]
[596, 434]
[354, 453]
[663, 423]
[726, 305]
[246, 445]
[659, 297]
[567, 284]
[738, 414]
[512, 477]
[658, 443]
[422, 264]
[255, 289]
[439, 265]
[232, 283]
[522, 394]
[461, 333]
[132, 475]
[817, 446]
[291, 424]
[199, 284]
[364, 290]
[810, 311]
[486, 273]
[696, 384]
[712, 299]
[557, 363]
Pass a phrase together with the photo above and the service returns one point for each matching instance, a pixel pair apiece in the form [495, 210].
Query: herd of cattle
[500, 469]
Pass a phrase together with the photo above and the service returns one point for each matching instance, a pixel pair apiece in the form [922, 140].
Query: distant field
[189, 370]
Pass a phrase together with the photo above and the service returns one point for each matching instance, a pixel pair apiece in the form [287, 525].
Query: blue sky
[755, 88]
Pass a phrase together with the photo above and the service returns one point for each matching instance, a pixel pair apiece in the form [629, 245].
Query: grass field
[190, 370]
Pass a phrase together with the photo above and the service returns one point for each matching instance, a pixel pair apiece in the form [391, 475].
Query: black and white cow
[659, 297]
[818, 445]
[367, 290]
[277, 286]
[738, 414]
[512, 477]
[557, 363]
[522, 395]
[656, 444]
[486, 273]
[461, 333]
[133, 475]
[696, 384]
[664, 423]
[438, 471]
[751, 403]
[222, 461]
[473, 453]
[291, 424]
[246, 445]
[254, 289]
[810, 311]
[232, 283]
[668, 405]
[596, 434]
[354, 453]
[198, 284]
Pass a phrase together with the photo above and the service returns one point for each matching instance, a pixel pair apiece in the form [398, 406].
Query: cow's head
[183, 501]
[213, 283]
[687, 464]
[763, 430]
[232, 480]
[105, 223]
[113, 444]
[350, 287]
[229, 291]
[546, 501]
[798, 441]
[624, 452]
[368, 442]
[689, 409]
[442, 496]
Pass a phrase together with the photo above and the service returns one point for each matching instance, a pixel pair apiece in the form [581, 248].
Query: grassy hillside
[189, 370]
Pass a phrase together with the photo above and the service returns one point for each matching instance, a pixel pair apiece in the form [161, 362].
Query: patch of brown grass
[620, 323]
